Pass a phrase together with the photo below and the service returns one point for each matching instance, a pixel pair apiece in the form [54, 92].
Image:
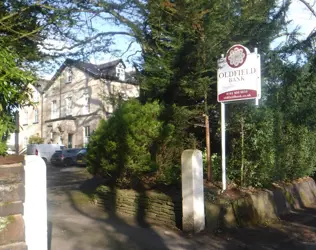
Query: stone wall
[253, 208]
[145, 207]
[260, 207]
[12, 195]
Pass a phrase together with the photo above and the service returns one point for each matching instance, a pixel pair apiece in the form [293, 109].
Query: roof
[93, 69]
[97, 71]
[111, 64]
[41, 84]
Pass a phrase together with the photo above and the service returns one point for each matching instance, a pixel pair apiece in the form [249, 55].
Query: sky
[301, 17]
[298, 13]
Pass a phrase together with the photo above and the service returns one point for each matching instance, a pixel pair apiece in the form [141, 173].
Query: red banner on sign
[240, 94]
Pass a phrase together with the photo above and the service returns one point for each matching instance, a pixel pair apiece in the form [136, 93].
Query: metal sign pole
[258, 87]
[238, 78]
[223, 132]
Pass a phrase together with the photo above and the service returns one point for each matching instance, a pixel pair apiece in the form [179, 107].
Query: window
[68, 106]
[54, 110]
[69, 140]
[35, 96]
[35, 115]
[86, 136]
[86, 104]
[25, 142]
[120, 72]
[68, 75]
[26, 117]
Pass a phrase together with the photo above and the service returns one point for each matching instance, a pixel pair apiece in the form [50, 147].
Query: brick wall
[12, 195]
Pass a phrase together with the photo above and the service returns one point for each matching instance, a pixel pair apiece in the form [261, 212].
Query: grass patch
[80, 199]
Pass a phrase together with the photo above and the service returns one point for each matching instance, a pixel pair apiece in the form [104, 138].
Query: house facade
[30, 117]
[71, 105]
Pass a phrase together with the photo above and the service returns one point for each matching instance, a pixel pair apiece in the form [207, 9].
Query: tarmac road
[77, 224]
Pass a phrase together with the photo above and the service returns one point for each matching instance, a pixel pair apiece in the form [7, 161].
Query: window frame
[120, 72]
[69, 75]
[35, 115]
[86, 104]
[35, 96]
[54, 109]
[86, 135]
[69, 106]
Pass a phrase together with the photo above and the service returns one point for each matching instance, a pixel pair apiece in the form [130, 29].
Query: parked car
[43, 150]
[81, 157]
[56, 158]
[65, 157]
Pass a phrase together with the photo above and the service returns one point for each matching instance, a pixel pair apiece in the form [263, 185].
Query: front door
[69, 140]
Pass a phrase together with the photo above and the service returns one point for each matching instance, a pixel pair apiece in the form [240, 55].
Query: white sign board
[239, 75]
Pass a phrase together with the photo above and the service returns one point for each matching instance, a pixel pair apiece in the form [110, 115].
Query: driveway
[77, 224]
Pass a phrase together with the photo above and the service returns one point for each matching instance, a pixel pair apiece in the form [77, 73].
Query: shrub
[125, 148]
[35, 139]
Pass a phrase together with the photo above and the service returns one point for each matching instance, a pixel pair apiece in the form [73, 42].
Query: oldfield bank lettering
[237, 75]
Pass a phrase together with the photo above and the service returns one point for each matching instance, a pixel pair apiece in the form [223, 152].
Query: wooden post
[208, 149]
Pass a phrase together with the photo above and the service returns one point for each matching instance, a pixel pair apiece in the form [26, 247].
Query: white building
[70, 106]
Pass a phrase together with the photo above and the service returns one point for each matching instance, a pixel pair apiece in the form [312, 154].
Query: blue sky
[300, 15]
[298, 12]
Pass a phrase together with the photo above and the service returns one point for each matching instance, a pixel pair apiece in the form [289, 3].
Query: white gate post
[35, 205]
[193, 215]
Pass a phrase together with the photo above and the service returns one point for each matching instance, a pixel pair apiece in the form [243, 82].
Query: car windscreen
[82, 151]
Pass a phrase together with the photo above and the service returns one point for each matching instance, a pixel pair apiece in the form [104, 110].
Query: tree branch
[90, 39]
[129, 46]
[308, 6]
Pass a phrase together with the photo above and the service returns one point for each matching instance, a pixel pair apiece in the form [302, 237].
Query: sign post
[238, 79]
[223, 129]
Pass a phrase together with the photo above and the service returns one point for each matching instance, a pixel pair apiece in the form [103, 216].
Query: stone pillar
[35, 206]
[12, 235]
[193, 219]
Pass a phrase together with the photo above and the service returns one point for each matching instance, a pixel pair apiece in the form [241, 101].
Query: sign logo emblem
[236, 56]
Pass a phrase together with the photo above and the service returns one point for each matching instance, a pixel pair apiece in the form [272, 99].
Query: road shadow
[294, 231]
[49, 234]
[134, 234]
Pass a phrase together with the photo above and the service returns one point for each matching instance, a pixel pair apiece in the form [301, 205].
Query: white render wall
[35, 204]
[193, 215]
[81, 84]
[99, 92]
[31, 128]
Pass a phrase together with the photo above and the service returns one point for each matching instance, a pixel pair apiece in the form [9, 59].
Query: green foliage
[14, 92]
[35, 139]
[129, 148]
[180, 43]
[185, 40]
[216, 166]
[275, 149]
[23, 27]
